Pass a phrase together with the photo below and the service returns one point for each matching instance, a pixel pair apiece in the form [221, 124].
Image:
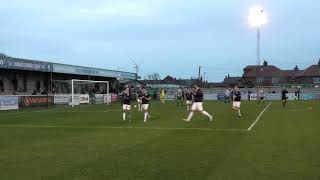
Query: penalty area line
[259, 117]
[138, 127]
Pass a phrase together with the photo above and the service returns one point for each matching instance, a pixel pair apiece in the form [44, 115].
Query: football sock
[145, 117]
[124, 116]
[190, 116]
[206, 114]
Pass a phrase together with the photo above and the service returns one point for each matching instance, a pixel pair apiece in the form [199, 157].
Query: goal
[76, 92]
[87, 91]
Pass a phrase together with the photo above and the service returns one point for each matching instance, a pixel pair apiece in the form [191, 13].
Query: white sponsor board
[76, 100]
[9, 102]
[253, 96]
[84, 99]
[99, 98]
[107, 99]
[169, 97]
[274, 96]
[291, 96]
[62, 99]
[210, 97]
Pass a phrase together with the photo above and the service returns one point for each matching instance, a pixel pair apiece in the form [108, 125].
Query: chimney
[265, 63]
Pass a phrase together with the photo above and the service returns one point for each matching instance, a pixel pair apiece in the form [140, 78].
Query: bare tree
[3, 55]
[154, 76]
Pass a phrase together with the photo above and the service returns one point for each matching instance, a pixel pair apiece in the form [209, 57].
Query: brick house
[265, 75]
[268, 75]
[310, 76]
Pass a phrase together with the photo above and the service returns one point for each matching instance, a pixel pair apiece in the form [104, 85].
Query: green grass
[85, 143]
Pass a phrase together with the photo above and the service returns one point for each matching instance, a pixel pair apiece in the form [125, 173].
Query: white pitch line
[259, 117]
[57, 110]
[294, 110]
[110, 127]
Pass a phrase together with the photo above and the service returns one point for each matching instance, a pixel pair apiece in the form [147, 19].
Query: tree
[154, 76]
[296, 68]
[3, 55]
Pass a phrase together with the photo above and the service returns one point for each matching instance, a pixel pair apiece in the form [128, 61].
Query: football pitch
[92, 142]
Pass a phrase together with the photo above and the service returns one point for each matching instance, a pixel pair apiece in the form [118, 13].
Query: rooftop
[7, 62]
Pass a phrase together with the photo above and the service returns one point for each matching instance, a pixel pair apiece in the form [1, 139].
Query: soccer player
[261, 97]
[139, 101]
[284, 97]
[198, 105]
[227, 96]
[179, 97]
[145, 98]
[162, 96]
[237, 101]
[126, 103]
[189, 96]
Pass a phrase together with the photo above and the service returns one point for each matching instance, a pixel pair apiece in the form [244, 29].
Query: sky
[169, 37]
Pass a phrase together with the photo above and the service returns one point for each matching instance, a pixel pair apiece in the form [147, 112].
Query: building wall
[306, 80]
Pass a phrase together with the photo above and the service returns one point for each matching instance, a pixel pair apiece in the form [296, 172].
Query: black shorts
[261, 98]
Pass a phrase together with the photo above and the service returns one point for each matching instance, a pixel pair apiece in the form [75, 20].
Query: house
[311, 75]
[269, 75]
[171, 82]
[231, 81]
[264, 75]
[132, 83]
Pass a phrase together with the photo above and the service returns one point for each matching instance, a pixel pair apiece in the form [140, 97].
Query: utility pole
[258, 47]
[136, 67]
[137, 70]
[199, 75]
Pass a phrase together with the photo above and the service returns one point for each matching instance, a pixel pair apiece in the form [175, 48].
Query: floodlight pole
[72, 93]
[258, 47]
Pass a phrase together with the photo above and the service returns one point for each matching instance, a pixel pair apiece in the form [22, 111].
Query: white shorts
[189, 102]
[145, 106]
[236, 104]
[197, 106]
[126, 107]
[139, 101]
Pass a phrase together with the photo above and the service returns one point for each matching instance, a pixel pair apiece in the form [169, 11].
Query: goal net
[76, 92]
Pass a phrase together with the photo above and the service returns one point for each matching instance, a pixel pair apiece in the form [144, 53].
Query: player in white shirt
[227, 96]
[179, 97]
[261, 97]
[139, 101]
[189, 97]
